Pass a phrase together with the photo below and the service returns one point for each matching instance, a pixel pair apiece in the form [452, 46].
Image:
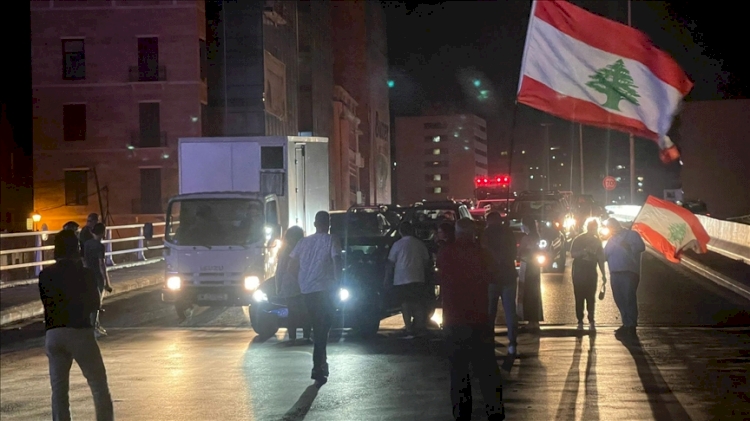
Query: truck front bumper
[213, 296]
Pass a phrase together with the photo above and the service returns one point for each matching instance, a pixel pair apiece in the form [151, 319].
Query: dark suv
[550, 210]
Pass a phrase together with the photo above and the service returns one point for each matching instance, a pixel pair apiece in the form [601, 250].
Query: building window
[148, 59]
[74, 59]
[437, 177]
[480, 152]
[151, 190]
[434, 126]
[504, 153]
[436, 164]
[436, 190]
[480, 140]
[433, 139]
[482, 128]
[74, 122]
[204, 58]
[76, 188]
[435, 151]
[150, 125]
[481, 165]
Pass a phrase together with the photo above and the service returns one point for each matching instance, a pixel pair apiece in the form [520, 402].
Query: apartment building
[437, 157]
[115, 84]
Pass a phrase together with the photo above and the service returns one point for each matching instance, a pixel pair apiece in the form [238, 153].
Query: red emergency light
[499, 180]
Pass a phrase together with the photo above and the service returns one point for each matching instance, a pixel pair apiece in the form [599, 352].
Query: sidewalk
[23, 302]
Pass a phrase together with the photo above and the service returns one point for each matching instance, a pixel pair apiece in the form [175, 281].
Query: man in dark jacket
[463, 269]
[69, 294]
[500, 243]
[86, 233]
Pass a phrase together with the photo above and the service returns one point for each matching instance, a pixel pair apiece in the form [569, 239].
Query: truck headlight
[259, 296]
[174, 283]
[543, 244]
[252, 282]
[343, 294]
[541, 259]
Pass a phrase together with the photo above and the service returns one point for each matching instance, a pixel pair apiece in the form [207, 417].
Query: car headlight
[343, 294]
[252, 282]
[569, 223]
[260, 296]
[543, 244]
[541, 259]
[604, 231]
[549, 224]
[174, 283]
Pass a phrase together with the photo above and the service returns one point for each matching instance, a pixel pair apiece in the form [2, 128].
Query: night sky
[437, 50]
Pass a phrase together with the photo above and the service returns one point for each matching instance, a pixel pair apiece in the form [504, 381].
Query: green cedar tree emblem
[677, 233]
[615, 82]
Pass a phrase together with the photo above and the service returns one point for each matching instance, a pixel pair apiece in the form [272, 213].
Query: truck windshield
[215, 222]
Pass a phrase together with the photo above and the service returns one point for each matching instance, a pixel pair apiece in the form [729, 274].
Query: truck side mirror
[148, 230]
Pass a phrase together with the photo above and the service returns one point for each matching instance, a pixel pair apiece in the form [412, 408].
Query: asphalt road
[688, 364]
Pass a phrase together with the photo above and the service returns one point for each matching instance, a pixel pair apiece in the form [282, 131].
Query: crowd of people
[475, 268]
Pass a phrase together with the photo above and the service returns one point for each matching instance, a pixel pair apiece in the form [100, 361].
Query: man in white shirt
[317, 258]
[407, 265]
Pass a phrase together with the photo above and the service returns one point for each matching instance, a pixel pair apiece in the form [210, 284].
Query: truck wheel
[182, 307]
[265, 325]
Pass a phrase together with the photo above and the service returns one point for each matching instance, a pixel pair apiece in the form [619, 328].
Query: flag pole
[631, 138]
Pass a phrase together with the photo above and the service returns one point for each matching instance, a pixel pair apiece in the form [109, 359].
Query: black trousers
[320, 307]
[298, 317]
[475, 346]
[584, 288]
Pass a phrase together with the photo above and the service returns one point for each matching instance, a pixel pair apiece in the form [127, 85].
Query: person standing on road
[86, 234]
[69, 295]
[408, 262]
[94, 259]
[317, 259]
[287, 286]
[530, 276]
[463, 269]
[500, 243]
[587, 254]
[623, 255]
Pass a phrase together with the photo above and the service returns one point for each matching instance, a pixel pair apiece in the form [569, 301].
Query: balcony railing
[148, 140]
[147, 74]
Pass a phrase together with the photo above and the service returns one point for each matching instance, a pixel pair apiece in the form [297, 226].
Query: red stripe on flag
[613, 37]
[540, 96]
[657, 241]
[693, 222]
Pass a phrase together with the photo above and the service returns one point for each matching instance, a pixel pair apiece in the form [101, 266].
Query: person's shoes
[620, 330]
[512, 350]
[99, 332]
[497, 417]
[580, 326]
[592, 326]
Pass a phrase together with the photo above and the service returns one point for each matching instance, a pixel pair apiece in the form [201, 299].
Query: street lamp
[36, 217]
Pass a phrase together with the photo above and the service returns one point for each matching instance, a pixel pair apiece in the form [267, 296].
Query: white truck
[237, 196]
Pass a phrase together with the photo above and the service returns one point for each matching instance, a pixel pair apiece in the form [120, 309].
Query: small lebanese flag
[670, 228]
[591, 70]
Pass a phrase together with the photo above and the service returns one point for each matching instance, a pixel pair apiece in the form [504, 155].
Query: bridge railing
[23, 255]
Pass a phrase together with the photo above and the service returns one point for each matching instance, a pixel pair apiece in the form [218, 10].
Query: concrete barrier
[731, 239]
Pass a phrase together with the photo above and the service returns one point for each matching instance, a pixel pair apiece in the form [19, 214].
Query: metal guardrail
[42, 238]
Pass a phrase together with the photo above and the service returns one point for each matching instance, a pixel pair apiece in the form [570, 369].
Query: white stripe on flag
[659, 219]
[564, 64]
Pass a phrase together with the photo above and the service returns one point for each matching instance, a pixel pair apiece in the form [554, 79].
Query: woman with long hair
[530, 276]
[287, 286]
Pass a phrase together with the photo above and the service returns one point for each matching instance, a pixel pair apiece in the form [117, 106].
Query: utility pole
[632, 142]
[546, 152]
[580, 150]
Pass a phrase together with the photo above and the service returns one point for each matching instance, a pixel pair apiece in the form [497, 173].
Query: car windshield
[215, 222]
[363, 223]
[546, 207]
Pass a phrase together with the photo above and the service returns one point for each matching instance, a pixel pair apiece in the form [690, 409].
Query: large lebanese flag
[582, 67]
[670, 228]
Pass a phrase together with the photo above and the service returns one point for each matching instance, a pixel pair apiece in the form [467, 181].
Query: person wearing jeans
[464, 273]
[587, 254]
[69, 295]
[623, 255]
[499, 242]
[317, 260]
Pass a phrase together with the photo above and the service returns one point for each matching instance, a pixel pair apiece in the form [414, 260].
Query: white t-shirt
[410, 256]
[315, 254]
